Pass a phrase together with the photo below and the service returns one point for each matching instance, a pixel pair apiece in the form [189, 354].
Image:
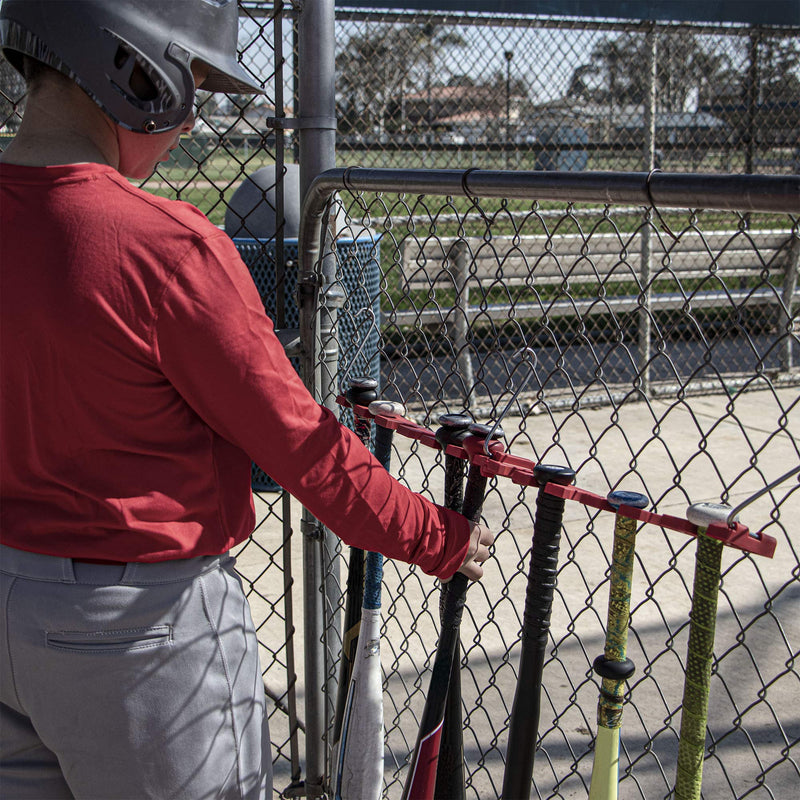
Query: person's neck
[44, 150]
[62, 125]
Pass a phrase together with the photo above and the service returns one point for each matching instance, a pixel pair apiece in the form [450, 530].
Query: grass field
[207, 173]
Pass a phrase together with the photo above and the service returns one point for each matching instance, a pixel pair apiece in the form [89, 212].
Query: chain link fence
[704, 409]
[526, 92]
[420, 89]
[648, 322]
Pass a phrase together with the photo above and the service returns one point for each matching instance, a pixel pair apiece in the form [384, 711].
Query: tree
[613, 74]
[686, 69]
[778, 68]
[715, 76]
[376, 70]
[369, 71]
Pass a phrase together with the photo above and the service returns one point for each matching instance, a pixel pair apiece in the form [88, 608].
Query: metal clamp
[301, 123]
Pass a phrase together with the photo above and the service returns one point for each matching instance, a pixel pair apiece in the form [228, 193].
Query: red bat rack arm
[520, 471]
[736, 535]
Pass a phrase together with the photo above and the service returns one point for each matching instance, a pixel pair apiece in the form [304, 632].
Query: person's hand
[478, 551]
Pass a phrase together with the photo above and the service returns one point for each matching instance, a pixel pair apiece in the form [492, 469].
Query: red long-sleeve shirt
[140, 376]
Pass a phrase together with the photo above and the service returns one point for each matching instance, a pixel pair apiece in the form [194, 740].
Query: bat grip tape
[373, 574]
[383, 446]
[524, 723]
[699, 657]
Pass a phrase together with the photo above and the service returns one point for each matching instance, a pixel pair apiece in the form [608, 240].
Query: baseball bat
[450, 769]
[362, 391]
[613, 666]
[524, 720]
[421, 782]
[359, 757]
[699, 654]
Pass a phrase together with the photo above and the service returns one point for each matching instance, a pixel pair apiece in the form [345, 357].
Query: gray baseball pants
[127, 682]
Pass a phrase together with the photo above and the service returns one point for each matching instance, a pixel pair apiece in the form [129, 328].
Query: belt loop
[129, 574]
[67, 571]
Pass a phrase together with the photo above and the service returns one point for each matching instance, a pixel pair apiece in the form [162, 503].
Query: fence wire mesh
[702, 412]
[666, 369]
[618, 377]
[527, 92]
[502, 91]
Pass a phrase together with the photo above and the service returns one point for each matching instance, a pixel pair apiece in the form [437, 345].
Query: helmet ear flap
[138, 80]
[132, 78]
[157, 91]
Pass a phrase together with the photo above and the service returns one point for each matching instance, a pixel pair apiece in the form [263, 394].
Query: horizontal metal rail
[768, 193]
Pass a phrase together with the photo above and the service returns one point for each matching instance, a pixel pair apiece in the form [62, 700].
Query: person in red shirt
[140, 377]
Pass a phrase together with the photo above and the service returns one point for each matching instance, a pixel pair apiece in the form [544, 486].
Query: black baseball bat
[421, 783]
[450, 769]
[524, 721]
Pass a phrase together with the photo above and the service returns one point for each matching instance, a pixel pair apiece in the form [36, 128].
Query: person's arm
[217, 347]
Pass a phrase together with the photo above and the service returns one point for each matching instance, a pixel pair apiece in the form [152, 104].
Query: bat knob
[704, 514]
[482, 430]
[387, 408]
[623, 498]
[362, 391]
[613, 670]
[456, 421]
[552, 473]
[454, 428]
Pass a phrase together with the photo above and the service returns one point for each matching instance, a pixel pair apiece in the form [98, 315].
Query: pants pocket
[114, 641]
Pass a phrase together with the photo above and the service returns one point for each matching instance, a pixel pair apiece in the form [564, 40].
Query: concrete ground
[676, 452]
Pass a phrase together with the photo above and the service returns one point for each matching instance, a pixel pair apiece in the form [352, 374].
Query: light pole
[509, 54]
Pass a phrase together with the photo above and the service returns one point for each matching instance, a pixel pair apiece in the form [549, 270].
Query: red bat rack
[520, 470]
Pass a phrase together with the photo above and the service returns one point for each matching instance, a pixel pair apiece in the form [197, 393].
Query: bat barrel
[422, 779]
[524, 722]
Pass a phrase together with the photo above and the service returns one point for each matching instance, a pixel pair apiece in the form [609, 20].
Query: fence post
[645, 269]
[789, 286]
[459, 254]
[752, 91]
[317, 133]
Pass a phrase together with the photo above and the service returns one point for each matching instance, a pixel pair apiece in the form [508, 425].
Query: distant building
[607, 123]
[463, 114]
[775, 123]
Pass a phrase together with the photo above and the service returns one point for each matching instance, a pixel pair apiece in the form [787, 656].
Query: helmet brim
[229, 79]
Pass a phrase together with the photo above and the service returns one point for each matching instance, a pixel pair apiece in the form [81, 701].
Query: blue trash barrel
[358, 270]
